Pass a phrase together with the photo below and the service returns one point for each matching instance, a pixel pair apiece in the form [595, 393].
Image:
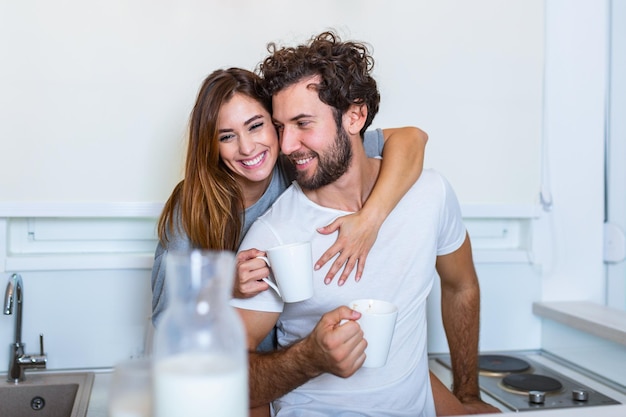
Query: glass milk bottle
[200, 362]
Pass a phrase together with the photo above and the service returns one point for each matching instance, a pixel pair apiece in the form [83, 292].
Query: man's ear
[355, 118]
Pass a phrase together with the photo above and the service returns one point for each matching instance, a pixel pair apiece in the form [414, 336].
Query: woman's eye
[226, 138]
[256, 126]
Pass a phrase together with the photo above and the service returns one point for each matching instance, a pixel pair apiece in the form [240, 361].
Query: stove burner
[532, 382]
[501, 364]
[556, 390]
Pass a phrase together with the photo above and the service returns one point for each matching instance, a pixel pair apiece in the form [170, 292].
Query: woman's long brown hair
[209, 201]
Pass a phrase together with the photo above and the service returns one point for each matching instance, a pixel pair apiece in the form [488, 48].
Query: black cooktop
[522, 384]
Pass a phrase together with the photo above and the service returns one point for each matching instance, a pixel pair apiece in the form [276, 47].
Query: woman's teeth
[251, 162]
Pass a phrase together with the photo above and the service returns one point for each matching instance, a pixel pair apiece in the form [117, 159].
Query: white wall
[522, 255]
[96, 95]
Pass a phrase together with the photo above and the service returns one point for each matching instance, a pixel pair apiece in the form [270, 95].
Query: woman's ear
[355, 118]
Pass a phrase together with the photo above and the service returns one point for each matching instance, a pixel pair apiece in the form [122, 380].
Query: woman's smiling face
[248, 142]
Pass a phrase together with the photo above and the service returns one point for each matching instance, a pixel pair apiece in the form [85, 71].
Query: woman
[234, 172]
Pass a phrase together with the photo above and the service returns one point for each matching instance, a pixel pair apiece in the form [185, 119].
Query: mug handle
[267, 279]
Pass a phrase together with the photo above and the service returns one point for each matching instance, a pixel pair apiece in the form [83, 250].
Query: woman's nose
[246, 145]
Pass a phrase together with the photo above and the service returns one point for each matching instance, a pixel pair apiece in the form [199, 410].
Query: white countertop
[98, 399]
[595, 319]
[99, 394]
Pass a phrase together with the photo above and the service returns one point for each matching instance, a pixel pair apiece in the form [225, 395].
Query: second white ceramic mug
[292, 269]
[378, 321]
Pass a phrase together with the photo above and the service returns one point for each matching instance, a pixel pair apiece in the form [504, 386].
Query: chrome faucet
[18, 360]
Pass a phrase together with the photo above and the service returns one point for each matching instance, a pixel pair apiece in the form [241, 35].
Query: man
[323, 100]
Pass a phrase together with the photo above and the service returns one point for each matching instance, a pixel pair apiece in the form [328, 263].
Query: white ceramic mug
[292, 269]
[378, 321]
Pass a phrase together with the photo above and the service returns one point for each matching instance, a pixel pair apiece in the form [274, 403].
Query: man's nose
[288, 141]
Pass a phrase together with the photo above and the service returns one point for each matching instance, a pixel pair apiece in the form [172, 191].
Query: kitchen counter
[99, 393]
[595, 319]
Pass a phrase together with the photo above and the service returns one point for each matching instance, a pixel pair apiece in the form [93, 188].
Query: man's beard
[330, 166]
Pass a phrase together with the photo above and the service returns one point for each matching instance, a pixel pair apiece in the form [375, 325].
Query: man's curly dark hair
[343, 66]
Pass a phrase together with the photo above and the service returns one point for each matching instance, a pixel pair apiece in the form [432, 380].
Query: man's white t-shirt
[400, 268]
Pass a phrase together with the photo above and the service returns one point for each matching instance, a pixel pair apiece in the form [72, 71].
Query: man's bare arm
[330, 348]
[460, 305]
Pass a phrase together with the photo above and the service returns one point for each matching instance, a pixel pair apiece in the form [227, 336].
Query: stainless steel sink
[47, 394]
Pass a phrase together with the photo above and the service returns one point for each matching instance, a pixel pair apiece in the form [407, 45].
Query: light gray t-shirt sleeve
[373, 142]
